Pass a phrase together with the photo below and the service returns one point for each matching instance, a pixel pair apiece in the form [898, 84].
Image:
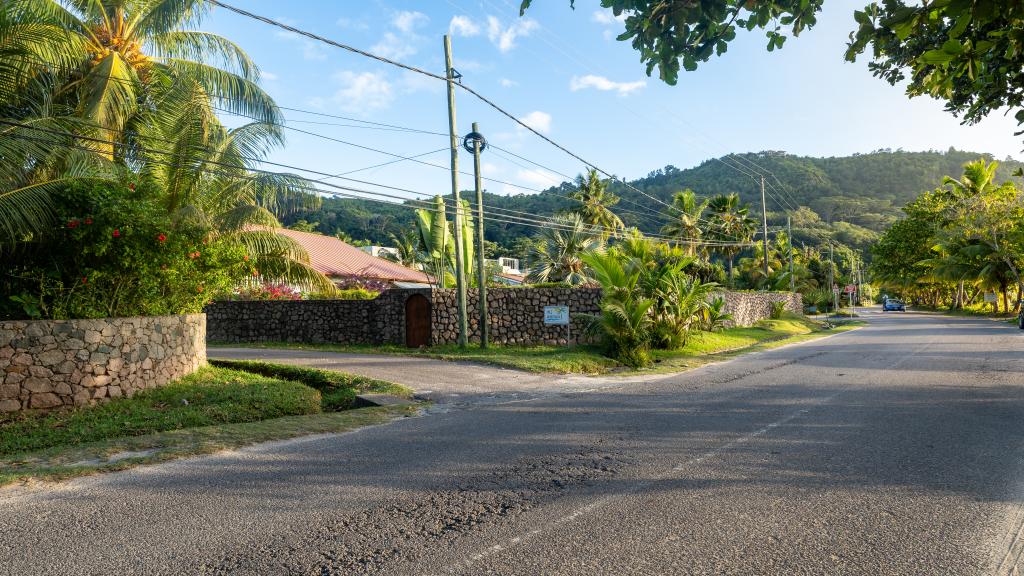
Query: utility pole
[460, 265]
[475, 142]
[831, 278]
[764, 221]
[789, 243]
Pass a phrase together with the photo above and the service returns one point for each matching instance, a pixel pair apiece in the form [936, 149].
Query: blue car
[893, 305]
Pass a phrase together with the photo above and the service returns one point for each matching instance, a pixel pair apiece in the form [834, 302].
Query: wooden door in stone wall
[417, 321]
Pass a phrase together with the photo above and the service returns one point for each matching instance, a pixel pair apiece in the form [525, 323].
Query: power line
[530, 221]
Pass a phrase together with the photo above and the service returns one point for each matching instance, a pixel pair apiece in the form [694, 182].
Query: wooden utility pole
[789, 242]
[460, 264]
[832, 279]
[764, 222]
[480, 260]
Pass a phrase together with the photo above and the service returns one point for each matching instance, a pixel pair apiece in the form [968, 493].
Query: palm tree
[407, 245]
[730, 221]
[107, 89]
[686, 222]
[121, 75]
[595, 203]
[558, 252]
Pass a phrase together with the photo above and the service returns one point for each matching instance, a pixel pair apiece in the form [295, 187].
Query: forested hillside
[851, 198]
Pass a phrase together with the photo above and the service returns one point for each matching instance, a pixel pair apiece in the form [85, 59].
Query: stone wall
[749, 307]
[516, 316]
[311, 321]
[48, 364]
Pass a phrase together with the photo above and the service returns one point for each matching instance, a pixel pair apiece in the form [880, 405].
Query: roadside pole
[789, 241]
[764, 222]
[478, 144]
[460, 265]
[832, 279]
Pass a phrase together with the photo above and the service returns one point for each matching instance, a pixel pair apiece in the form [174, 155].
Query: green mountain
[849, 198]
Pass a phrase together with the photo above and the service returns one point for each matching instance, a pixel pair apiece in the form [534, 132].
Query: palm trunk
[731, 284]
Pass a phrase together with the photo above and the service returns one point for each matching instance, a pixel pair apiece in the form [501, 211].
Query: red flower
[194, 255]
[161, 237]
[88, 221]
[72, 223]
[200, 289]
[255, 273]
[131, 186]
[84, 279]
[246, 257]
[117, 233]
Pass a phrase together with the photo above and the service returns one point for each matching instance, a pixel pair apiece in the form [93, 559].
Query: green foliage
[118, 253]
[957, 241]
[714, 317]
[969, 54]
[209, 396]
[778, 308]
[558, 252]
[668, 33]
[594, 204]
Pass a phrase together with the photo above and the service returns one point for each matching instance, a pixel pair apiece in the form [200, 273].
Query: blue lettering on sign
[557, 315]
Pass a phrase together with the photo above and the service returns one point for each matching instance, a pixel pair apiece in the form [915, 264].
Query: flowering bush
[268, 292]
[117, 253]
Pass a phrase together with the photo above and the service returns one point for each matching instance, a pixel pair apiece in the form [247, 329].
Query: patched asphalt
[894, 449]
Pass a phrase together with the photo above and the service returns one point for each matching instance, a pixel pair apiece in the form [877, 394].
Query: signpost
[559, 316]
[850, 290]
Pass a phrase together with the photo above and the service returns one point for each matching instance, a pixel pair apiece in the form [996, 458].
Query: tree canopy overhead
[967, 53]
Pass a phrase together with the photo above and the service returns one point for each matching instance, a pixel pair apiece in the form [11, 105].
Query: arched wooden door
[417, 321]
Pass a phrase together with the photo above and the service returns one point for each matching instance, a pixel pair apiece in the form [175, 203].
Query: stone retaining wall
[52, 363]
[516, 316]
[749, 307]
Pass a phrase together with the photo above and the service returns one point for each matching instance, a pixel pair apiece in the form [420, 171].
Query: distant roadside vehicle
[893, 305]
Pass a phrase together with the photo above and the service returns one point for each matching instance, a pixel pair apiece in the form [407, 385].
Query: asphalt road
[894, 449]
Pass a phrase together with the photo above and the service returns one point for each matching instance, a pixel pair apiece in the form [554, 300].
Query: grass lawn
[212, 409]
[589, 360]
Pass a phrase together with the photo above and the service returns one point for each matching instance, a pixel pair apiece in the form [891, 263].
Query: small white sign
[990, 297]
[556, 315]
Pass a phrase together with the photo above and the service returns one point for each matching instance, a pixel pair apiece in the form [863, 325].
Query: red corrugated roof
[332, 257]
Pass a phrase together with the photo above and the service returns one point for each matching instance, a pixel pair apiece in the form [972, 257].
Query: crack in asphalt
[371, 541]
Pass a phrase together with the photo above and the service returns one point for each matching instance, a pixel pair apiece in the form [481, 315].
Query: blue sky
[562, 71]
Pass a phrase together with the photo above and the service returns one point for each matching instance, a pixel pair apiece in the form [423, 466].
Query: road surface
[894, 449]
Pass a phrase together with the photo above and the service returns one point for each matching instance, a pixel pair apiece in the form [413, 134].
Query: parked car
[893, 305]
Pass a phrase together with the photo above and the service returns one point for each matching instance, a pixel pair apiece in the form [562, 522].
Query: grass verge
[216, 407]
[589, 360]
[64, 462]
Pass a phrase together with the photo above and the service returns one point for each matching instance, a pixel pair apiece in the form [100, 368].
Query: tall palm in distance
[595, 202]
[558, 251]
[686, 225]
[730, 221]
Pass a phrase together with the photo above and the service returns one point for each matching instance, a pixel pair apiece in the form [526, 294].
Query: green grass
[63, 462]
[588, 359]
[337, 389]
[214, 408]
[208, 396]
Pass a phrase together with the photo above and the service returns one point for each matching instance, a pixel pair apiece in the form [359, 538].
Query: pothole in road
[370, 541]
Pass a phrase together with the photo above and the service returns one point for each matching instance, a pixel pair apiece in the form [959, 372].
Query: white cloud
[394, 46]
[506, 83]
[310, 50]
[607, 17]
[505, 38]
[601, 83]
[538, 178]
[351, 24]
[539, 121]
[463, 26]
[268, 76]
[362, 91]
[408, 21]
[490, 169]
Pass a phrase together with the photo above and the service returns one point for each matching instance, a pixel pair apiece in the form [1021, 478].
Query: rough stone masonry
[52, 363]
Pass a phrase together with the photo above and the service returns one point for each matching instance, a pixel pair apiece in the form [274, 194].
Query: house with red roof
[344, 263]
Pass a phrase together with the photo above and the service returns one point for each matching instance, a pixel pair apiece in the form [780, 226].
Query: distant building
[344, 263]
[380, 251]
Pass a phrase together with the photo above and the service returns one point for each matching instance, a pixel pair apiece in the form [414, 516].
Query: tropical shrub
[267, 291]
[713, 317]
[777, 310]
[117, 252]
